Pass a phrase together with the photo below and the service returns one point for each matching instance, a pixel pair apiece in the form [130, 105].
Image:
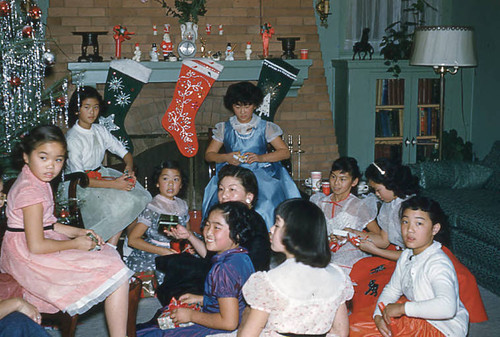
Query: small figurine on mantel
[248, 51]
[167, 47]
[172, 57]
[229, 53]
[120, 34]
[215, 56]
[267, 32]
[153, 54]
[155, 30]
[137, 53]
[203, 48]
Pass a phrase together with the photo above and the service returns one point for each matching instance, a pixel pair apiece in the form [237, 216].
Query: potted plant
[185, 10]
[396, 45]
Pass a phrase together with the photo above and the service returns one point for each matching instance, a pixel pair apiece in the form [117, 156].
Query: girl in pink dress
[58, 266]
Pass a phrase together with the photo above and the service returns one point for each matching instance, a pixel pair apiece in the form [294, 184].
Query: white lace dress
[351, 212]
[300, 299]
[389, 220]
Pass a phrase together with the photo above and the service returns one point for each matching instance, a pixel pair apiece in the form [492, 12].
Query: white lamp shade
[448, 46]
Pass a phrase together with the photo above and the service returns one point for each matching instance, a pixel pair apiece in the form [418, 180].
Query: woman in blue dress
[245, 137]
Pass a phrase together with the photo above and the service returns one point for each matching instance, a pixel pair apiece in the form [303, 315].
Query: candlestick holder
[288, 46]
[89, 40]
[290, 161]
[299, 152]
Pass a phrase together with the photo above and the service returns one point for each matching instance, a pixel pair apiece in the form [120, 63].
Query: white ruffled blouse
[272, 130]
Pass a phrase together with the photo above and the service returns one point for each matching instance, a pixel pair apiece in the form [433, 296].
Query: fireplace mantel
[164, 72]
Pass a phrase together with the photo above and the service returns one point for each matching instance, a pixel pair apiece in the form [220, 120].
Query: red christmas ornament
[15, 81]
[27, 31]
[61, 101]
[4, 8]
[35, 13]
[64, 214]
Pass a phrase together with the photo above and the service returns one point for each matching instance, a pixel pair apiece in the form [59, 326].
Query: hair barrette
[382, 172]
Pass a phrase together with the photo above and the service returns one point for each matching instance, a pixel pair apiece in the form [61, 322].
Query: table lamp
[445, 48]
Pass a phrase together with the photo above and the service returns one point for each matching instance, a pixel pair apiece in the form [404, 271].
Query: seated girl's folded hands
[93, 236]
[368, 246]
[84, 243]
[384, 329]
[181, 315]
[393, 310]
[233, 158]
[361, 234]
[124, 183]
[191, 298]
[252, 158]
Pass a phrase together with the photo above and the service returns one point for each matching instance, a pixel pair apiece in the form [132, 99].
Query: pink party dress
[70, 280]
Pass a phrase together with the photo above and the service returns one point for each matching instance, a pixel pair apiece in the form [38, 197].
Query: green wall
[483, 16]
[485, 113]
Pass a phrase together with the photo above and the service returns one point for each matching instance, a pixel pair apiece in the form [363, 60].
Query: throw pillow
[434, 174]
[469, 175]
[492, 159]
[493, 184]
[451, 174]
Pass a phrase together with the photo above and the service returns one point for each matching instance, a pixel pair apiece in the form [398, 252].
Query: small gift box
[164, 320]
[94, 174]
[149, 283]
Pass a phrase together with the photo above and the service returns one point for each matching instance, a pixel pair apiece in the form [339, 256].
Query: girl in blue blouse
[227, 226]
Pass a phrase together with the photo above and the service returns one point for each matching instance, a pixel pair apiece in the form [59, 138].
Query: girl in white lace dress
[306, 294]
[392, 183]
[342, 210]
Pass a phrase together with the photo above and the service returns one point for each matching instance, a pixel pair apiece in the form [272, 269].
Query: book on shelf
[390, 92]
[428, 121]
[388, 123]
[428, 91]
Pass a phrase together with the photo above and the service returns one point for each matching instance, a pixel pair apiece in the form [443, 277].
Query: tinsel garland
[22, 67]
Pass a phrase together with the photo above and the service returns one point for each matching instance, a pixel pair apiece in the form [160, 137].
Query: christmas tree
[23, 60]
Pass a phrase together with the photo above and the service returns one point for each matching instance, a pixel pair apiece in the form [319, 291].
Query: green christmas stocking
[195, 80]
[275, 79]
[123, 84]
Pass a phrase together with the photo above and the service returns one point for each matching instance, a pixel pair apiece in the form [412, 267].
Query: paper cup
[304, 54]
[316, 180]
[325, 186]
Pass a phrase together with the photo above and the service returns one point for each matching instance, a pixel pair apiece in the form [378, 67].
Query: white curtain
[377, 15]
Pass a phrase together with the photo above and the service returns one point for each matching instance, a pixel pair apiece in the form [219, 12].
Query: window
[377, 15]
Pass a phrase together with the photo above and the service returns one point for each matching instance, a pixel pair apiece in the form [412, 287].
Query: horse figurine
[363, 46]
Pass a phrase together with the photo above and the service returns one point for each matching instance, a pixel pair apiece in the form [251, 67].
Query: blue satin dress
[275, 184]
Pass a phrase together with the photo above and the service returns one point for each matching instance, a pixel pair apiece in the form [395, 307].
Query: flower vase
[189, 34]
[189, 31]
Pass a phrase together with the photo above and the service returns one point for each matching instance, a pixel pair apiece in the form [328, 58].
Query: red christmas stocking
[195, 80]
